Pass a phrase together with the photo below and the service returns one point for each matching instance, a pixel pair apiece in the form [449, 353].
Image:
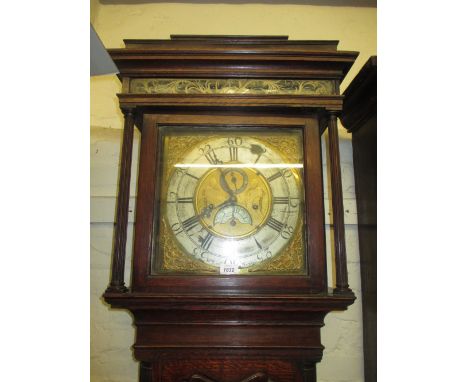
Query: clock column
[117, 283]
[337, 204]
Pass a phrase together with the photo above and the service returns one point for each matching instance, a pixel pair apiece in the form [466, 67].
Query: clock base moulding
[228, 338]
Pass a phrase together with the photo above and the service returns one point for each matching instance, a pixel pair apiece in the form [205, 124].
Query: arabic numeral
[177, 228]
[205, 149]
[200, 253]
[236, 141]
[181, 171]
[293, 205]
[287, 232]
[210, 154]
[264, 255]
[287, 173]
[172, 197]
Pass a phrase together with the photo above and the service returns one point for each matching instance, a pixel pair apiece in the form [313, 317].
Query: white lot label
[228, 270]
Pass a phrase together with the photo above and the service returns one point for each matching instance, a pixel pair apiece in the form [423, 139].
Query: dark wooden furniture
[360, 118]
[229, 328]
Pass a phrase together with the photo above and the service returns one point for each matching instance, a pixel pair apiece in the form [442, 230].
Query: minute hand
[231, 200]
[224, 182]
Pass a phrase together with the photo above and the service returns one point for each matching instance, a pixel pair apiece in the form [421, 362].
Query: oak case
[229, 328]
[145, 230]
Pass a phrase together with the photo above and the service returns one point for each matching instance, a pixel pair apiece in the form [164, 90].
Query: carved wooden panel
[257, 377]
[228, 370]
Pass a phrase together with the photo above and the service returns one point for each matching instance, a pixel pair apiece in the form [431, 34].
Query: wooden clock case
[230, 328]
[359, 117]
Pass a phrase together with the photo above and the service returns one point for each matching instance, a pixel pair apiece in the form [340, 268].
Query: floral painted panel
[230, 86]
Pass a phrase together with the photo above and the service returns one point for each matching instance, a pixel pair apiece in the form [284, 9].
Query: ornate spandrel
[174, 260]
[290, 261]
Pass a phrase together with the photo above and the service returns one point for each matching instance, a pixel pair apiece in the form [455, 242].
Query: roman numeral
[281, 200]
[233, 153]
[192, 176]
[212, 158]
[184, 171]
[206, 242]
[190, 223]
[185, 200]
[275, 224]
[258, 244]
[177, 228]
[274, 176]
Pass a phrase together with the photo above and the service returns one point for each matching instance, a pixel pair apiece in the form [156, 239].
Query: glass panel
[231, 201]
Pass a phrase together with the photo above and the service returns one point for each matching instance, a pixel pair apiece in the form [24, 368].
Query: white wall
[112, 333]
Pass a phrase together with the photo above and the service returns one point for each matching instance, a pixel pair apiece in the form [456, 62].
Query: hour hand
[206, 212]
[230, 200]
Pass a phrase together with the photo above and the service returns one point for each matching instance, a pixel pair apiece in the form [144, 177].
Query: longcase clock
[229, 273]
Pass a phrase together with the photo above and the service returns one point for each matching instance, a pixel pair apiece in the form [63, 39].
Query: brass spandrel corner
[174, 260]
[289, 261]
[231, 86]
[180, 145]
[289, 147]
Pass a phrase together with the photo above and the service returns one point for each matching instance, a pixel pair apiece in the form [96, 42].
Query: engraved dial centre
[233, 203]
